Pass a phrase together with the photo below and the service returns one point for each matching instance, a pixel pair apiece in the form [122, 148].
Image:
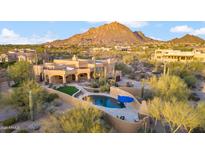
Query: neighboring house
[169, 55]
[8, 57]
[27, 56]
[69, 70]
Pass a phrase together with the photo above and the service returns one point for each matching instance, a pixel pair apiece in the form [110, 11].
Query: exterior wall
[115, 91]
[132, 92]
[123, 126]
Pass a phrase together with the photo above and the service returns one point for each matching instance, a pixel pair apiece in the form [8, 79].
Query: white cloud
[187, 29]
[200, 31]
[181, 29]
[8, 36]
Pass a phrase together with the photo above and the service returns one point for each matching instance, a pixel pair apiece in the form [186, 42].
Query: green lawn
[70, 90]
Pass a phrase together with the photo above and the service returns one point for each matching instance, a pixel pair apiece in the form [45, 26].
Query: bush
[102, 81]
[9, 130]
[22, 131]
[124, 68]
[9, 122]
[50, 97]
[20, 96]
[190, 80]
[82, 120]
[20, 71]
[94, 84]
[105, 88]
[169, 87]
[23, 116]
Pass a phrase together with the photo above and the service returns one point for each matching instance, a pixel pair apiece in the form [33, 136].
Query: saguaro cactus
[31, 106]
[94, 73]
[142, 89]
[166, 69]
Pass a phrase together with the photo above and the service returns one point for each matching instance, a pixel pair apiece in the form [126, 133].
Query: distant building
[101, 49]
[122, 48]
[28, 55]
[69, 70]
[169, 55]
[8, 57]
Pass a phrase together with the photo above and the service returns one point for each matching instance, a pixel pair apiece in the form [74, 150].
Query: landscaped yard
[70, 90]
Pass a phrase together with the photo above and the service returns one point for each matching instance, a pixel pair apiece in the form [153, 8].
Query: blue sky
[39, 32]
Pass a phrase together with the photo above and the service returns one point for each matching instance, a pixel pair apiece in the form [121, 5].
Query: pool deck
[130, 113]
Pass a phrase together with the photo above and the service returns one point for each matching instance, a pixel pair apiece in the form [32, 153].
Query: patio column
[105, 71]
[64, 79]
[49, 79]
[76, 77]
[88, 76]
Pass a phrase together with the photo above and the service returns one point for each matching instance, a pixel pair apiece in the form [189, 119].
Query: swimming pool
[105, 101]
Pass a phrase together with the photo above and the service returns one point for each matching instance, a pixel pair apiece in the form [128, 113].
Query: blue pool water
[104, 101]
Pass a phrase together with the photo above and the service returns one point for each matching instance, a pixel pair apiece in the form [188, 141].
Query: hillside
[187, 39]
[142, 38]
[107, 34]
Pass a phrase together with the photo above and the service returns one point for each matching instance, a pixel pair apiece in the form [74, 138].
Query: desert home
[28, 55]
[68, 70]
[170, 55]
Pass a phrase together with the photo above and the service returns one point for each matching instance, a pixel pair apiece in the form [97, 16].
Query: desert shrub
[178, 115]
[22, 131]
[9, 130]
[23, 116]
[190, 80]
[20, 71]
[50, 97]
[185, 69]
[102, 81]
[105, 88]
[94, 84]
[81, 119]
[20, 96]
[9, 121]
[124, 68]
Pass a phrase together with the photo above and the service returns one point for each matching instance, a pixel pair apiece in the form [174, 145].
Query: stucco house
[69, 70]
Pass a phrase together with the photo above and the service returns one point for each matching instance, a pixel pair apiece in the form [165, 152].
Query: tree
[177, 114]
[168, 87]
[82, 119]
[180, 115]
[154, 109]
[201, 110]
[128, 59]
[184, 69]
[20, 96]
[20, 71]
